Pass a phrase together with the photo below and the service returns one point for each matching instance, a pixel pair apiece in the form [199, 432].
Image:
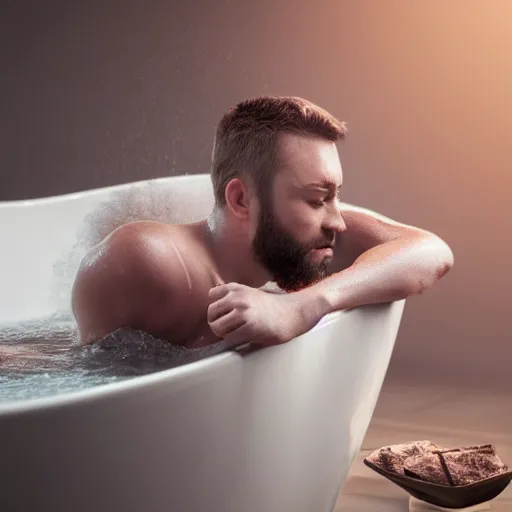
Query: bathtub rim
[109, 389]
[176, 374]
[54, 198]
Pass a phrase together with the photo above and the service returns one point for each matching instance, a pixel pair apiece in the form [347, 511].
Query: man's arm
[379, 260]
[127, 280]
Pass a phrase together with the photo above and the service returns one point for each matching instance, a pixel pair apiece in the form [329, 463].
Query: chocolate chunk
[427, 467]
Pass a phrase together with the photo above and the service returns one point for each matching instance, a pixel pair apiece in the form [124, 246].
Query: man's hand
[241, 314]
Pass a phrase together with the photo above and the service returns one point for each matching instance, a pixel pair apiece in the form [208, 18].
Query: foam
[40, 359]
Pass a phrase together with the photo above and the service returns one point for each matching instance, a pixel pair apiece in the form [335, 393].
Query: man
[276, 176]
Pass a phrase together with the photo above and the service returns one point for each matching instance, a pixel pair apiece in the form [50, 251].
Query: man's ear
[238, 198]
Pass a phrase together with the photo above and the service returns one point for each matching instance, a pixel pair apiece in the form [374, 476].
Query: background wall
[100, 93]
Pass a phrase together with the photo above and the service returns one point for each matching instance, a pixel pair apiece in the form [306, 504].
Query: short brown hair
[246, 138]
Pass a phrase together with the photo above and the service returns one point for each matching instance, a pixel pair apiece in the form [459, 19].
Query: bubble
[42, 359]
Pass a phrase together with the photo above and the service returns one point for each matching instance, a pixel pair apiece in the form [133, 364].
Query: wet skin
[196, 283]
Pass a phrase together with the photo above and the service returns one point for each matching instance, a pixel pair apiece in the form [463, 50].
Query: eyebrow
[324, 185]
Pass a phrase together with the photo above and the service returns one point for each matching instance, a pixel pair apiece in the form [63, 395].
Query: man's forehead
[308, 161]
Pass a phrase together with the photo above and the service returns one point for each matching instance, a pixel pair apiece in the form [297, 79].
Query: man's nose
[335, 221]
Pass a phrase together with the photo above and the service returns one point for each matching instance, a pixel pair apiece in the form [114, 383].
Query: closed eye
[320, 202]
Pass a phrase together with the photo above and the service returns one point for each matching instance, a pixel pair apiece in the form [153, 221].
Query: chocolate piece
[427, 467]
[450, 478]
[388, 461]
[467, 466]
[391, 458]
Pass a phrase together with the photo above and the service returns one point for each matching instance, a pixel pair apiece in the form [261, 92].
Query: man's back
[149, 276]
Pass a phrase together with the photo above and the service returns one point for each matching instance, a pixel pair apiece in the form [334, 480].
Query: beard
[286, 258]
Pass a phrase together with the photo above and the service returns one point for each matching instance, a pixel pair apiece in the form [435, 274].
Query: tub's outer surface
[275, 430]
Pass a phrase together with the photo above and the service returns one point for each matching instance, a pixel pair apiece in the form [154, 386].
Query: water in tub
[43, 358]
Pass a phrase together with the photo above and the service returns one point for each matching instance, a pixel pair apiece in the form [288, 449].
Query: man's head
[276, 169]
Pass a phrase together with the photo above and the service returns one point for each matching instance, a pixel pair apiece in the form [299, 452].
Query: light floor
[448, 415]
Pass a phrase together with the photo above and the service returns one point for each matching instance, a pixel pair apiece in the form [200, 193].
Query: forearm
[388, 272]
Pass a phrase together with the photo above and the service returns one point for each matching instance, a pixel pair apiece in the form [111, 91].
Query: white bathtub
[275, 430]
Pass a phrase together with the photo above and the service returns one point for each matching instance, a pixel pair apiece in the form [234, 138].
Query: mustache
[324, 244]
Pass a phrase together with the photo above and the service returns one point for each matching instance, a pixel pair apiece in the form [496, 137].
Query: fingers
[223, 300]
[217, 309]
[220, 290]
[217, 292]
[227, 324]
[225, 312]
[239, 336]
[244, 335]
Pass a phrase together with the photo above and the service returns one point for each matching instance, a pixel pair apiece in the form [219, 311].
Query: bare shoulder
[128, 279]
